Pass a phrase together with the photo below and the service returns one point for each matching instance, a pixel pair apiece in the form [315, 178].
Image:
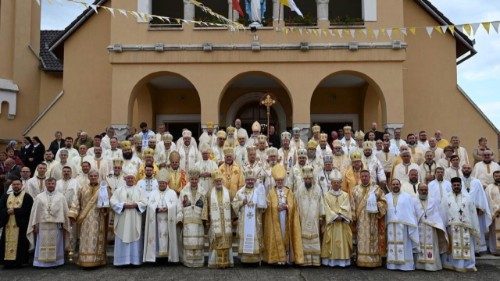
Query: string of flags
[470, 29]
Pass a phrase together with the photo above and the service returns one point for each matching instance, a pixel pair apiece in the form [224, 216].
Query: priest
[220, 232]
[128, 202]
[14, 217]
[336, 249]
[49, 222]
[231, 172]
[282, 233]
[160, 231]
[249, 204]
[206, 166]
[493, 195]
[370, 207]
[463, 229]
[402, 228]
[92, 221]
[177, 179]
[310, 206]
[192, 214]
[433, 239]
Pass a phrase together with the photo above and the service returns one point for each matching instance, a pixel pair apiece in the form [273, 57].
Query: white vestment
[189, 156]
[484, 172]
[493, 196]
[401, 171]
[148, 186]
[402, 231]
[205, 166]
[160, 231]
[128, 225]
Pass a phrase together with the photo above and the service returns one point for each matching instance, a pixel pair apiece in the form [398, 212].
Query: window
[170, 8]
[345, 12]
[309, 10]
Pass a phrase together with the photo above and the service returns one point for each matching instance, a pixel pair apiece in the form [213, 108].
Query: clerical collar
[396, 193]
[93, 184]
[336, 192]
[489, 162]
[247, 187]
[17, 193]
[40, 178]
[365, 185]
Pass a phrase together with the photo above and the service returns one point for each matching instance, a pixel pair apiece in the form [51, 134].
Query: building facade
[114, 70]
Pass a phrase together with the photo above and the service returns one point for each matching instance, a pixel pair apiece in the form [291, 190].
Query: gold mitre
[312, 144]
[316, 128]
[359, 135]
[167, 138]
[249, 174]
[193, 173]
[217, 175]
[221, 134]
[228, 150]
[174, 156]
[272, 151]
[117, 162]
[278, 172]
[126, 145]
[162, 175]
[356, 156]
[210, 125]
[286, 136]
[323, 137]
[302, 152]
[138, 139]
[256, 127]
[230, 130]
[347, 129]
[262, 138]
[148, 152]
[368, 145]
[307, 171]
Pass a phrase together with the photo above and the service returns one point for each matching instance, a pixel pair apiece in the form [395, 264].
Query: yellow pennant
[413, 30]
[486, 26]
[468, 29]
[452, 29]
[438, 29]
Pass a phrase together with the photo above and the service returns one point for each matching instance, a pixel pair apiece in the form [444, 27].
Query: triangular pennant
[300, 31]
[123, 12]
[444, 28]
[486, 26]
[389, 33]
[429, 29]
[413, 30]
[286, 30]
[353, 33]
[365, 32]
[382, 31]
[467, 28]
[331, 33]
[496, 24]
[452, 29]
[94, 7]
[376, 33]
[404, 31]
[324, 32]
[475, 27]
[340, 32]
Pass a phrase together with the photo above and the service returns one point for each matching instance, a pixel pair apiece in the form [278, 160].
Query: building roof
[48, 60]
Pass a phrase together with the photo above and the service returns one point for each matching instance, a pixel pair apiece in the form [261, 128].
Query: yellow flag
[413, 30]
[487, 26]
[438, 29]
[468, 29]
[452, 29]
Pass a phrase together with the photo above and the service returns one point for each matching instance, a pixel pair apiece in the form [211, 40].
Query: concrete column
[188, 10]
[277, 14]
[322, 13]
[146, 7]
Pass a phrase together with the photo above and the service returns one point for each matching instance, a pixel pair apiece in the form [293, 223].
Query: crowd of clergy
[369, 199]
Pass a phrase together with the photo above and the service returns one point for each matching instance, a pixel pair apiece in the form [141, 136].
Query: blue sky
[478, 76]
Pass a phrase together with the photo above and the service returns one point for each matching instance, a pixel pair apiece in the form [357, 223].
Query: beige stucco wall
[51, 84]
[19, 40]
[432, 100]
[87, 83]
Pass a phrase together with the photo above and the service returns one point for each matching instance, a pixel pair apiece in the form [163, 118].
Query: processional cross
[268, 102]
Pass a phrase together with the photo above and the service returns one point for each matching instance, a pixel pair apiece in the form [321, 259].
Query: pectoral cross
[250, 215]
[461, 212]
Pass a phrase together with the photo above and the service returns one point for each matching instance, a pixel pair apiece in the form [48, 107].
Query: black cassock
[22, 216]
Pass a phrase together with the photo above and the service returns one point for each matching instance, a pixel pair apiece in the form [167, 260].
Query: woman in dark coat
[38, 151]
[27, 153]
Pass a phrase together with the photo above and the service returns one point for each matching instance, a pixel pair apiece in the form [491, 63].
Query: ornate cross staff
[268, 102]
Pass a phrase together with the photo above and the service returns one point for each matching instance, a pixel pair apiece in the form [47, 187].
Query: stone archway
[249, 88]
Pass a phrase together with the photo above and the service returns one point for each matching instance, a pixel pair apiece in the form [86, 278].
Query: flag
[291, 4]
[237, 7]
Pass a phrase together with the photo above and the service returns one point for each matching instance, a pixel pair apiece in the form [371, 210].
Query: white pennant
[496, 24]
[389, 33]
[444, 28]
[429, 29]
[460, 28]
[376, 33]
[94, 7]
[365, 32]
[123, 12]
[353, 33]
[340, 32]
[475, 27]
[404, 31]
[331, 32]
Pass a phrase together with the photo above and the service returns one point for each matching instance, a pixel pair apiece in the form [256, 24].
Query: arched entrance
[347, 98]
[242, 96]
[166, 98]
